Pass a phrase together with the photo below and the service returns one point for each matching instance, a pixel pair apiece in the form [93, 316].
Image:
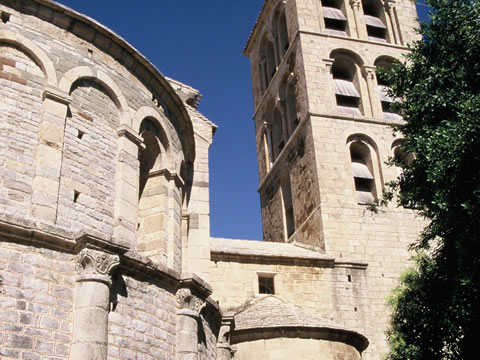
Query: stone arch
[153, 115]
[347, 79]
[85, 72]
[366, 167]
[34, 51]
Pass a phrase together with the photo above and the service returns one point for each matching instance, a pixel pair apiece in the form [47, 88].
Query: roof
[255, 26]
[272, 311]
[252, 249]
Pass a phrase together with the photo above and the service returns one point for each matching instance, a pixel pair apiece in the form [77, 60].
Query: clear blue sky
[200, 43]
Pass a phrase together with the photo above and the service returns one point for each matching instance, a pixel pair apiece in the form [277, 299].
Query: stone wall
[85, 123]
[294, 348]
[36, 296]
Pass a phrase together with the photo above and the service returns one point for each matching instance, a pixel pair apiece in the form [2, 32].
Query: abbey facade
[105, 248]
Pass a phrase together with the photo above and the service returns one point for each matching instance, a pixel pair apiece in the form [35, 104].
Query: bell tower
[323, 133]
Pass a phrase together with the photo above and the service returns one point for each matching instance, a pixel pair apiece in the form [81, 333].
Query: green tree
[436, 309]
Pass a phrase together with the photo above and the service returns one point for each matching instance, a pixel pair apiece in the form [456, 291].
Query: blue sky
[200, 43]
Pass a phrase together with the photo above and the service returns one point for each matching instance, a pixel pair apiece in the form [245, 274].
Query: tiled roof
[271, 311]
[254, 26]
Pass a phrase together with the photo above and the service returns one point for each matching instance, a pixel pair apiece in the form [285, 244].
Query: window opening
[346, 93]
[288, 203]
[334, 17]
[283, 33]
[362, 173]
[373, 15]
[266, 285]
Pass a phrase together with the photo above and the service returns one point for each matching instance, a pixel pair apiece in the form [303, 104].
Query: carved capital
[186, 300]
[355, 3]
[389, 5]
[369, 72]
[92, 263]
[328, 64]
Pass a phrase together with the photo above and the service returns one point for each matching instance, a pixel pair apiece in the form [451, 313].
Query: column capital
[126, 131]
[369, 71]
[328, 63]
[96, 265]
[389, 5]
[355, 3]
[187, 301]
[56, 95]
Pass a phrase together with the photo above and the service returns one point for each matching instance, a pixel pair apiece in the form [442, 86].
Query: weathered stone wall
[306, 286]
[75, 101]
[336, 223]
[36, 295]
[142, 324]
[295, 348]
[21, 85]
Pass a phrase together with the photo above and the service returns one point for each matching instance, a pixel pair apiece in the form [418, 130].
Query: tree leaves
[435, 311]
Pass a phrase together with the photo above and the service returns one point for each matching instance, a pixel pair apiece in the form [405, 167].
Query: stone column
[391, 11]
[225, 351]
[267, 139]
[188, 316]
[375, 105]
[329, 80]
[48, 154]
[359, 23]
[90, 312]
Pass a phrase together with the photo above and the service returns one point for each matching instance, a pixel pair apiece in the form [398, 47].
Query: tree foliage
[436, 310]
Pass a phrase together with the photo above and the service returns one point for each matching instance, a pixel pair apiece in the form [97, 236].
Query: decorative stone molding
[169, 175]
[95, 265]
[328, 64]
[57, 95]
[225, 351]
[187, 301]
[127, 132]
[368, 72]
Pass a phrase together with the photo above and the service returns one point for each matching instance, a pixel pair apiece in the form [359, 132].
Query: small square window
[266, 285]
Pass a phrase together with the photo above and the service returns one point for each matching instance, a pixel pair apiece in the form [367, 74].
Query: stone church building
[105, 247]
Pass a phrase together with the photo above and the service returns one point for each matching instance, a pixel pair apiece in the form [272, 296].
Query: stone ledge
[32, 232]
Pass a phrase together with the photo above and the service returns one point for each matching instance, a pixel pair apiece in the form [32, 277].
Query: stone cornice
[271, 259]
[31, 232]
[112, 44]
[349, 337]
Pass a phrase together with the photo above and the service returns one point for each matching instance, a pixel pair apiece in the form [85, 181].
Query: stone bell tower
[323, 132]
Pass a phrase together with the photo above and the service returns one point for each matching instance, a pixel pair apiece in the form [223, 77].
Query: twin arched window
[273, 47]
[282, 119]
[335, 19]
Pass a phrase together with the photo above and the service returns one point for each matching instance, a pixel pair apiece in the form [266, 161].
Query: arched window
[401, 158]
[384, 88]
[267, 66]
[151, 203]
[362, 171]
[282, 32]
[334, 17]
[291, 102]
[374, 14]
[278, 140]
[270, 58]
[287, 203]
[346, 82]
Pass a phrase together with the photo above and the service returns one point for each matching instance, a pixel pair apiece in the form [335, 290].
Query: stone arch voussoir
[85, 72]
[32, 50]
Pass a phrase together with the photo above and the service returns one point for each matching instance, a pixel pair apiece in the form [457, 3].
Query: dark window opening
[266, 285]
